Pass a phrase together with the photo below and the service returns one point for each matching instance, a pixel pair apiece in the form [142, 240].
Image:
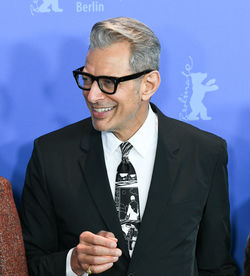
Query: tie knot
[125, 149]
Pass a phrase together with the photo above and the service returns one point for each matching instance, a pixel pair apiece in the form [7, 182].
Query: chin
[99, 127]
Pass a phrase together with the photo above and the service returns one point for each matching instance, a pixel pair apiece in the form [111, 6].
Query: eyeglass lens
[105, 84]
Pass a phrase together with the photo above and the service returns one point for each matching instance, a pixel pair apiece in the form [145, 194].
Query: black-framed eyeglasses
[107, 84]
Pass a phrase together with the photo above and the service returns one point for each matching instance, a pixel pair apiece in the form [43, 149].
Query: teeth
[99, 110]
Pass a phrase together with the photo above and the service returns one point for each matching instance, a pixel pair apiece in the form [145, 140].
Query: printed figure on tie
[133, 212]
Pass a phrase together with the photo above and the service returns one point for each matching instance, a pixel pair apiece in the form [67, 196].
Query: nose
[95, 94]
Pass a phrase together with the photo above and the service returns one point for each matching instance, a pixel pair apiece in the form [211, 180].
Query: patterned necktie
[127, 198]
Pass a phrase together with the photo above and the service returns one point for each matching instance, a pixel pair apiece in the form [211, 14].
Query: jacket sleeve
[213, 242]
[39, 224]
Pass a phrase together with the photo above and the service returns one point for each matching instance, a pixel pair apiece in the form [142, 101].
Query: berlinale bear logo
[193, 106]
[45, 7]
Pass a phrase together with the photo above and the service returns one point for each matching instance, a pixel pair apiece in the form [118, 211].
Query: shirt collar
[141, 140]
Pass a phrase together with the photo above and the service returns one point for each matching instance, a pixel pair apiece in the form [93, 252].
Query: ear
[150, 84]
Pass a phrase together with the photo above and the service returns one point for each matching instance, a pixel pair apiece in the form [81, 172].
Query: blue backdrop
[204, 67]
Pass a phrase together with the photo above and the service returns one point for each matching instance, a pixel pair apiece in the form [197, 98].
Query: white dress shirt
[142, 156]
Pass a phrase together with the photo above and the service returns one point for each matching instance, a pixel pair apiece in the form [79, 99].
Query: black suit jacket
[185, 230]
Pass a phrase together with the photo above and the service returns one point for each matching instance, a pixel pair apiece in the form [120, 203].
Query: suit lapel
[94, 170]
[164, 174]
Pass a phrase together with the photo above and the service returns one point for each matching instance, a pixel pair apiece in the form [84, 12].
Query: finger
[90, 238]
[98, 250]
[96, 269]
[107, 234]
[97, 260]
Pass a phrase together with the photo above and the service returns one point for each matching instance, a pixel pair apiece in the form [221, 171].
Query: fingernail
[115, 259]
[109, 265]
[118, 253]
[113, 244]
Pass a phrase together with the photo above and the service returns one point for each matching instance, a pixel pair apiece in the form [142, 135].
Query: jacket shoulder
[70, 134]
[186, 130]
[188, 136]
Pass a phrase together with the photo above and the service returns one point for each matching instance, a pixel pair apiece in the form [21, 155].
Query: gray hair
[145, 46]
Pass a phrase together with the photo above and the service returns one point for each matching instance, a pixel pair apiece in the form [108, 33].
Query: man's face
[124, 112]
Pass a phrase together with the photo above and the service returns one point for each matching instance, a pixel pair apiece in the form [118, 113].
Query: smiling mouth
[101, 110]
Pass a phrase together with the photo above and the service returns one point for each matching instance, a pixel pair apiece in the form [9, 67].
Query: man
[80, 179]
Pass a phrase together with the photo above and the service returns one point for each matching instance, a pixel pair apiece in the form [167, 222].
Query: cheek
[128, 104]
[127, 98]
[134, 99]
[129, 108]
